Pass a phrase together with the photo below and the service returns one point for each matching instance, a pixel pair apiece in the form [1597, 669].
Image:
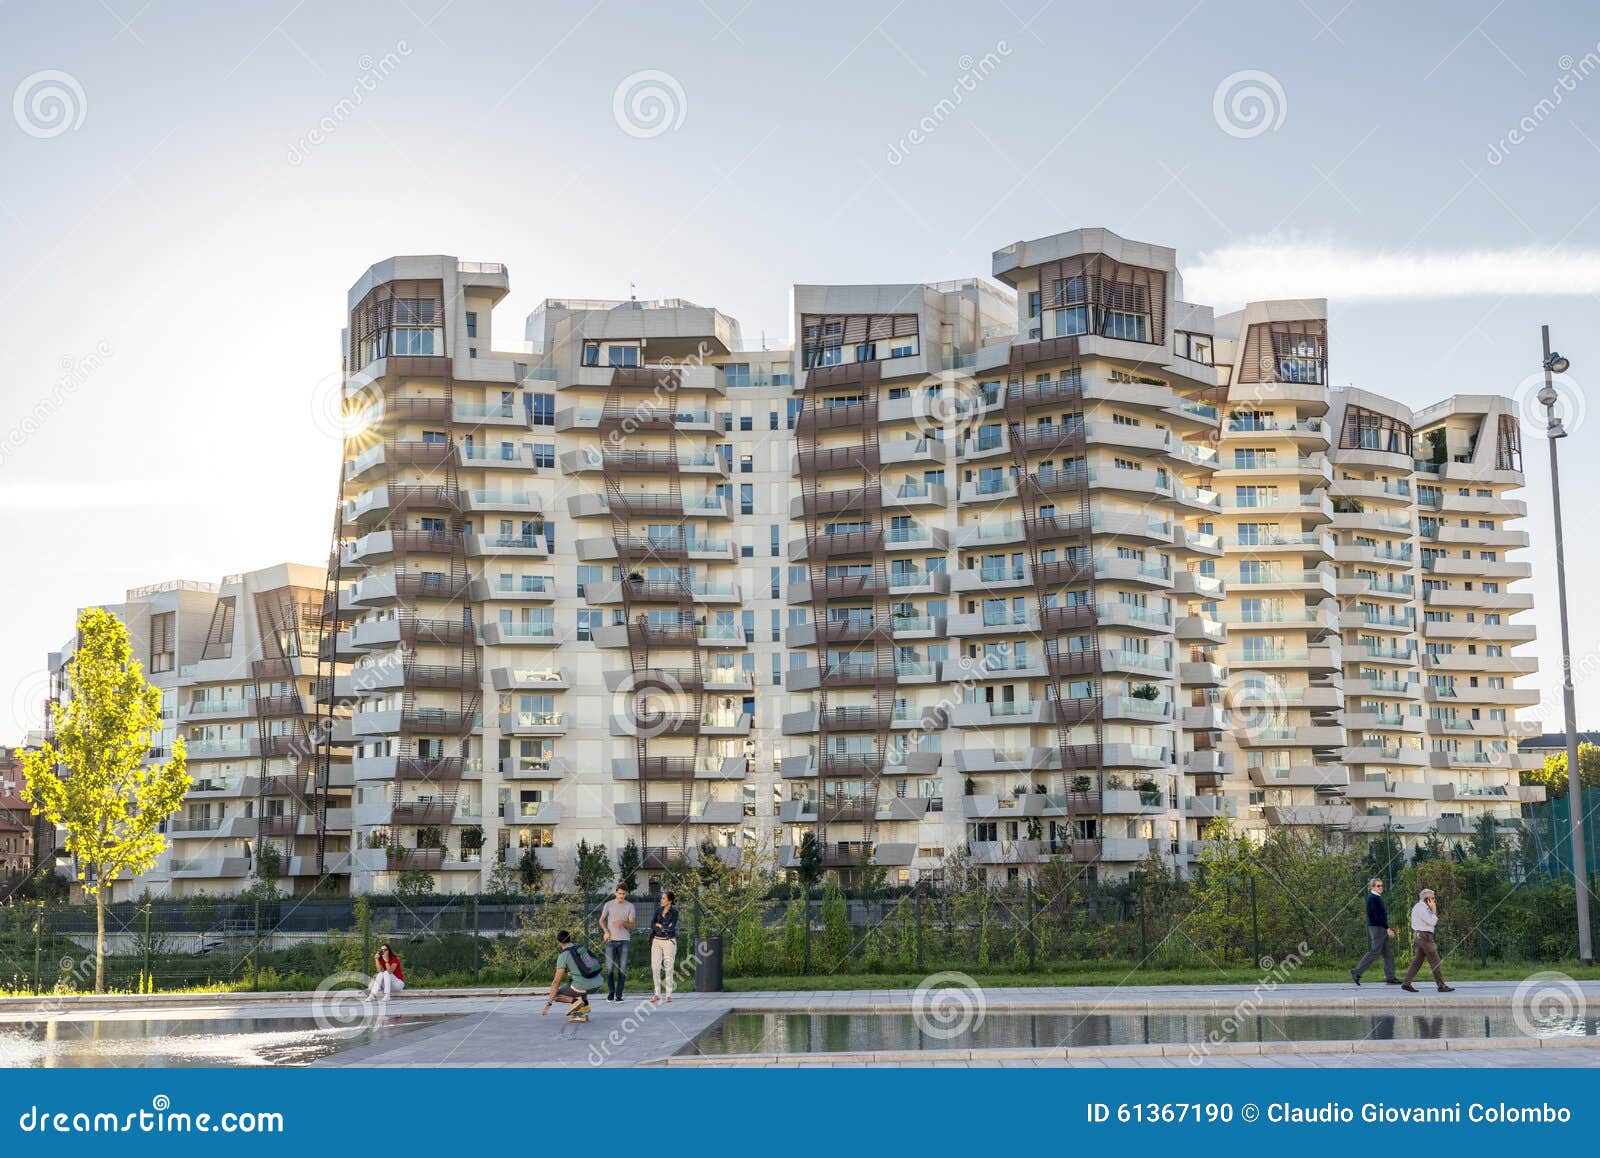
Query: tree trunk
[99, 940]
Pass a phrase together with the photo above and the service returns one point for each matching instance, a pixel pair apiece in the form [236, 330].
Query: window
[775, 533]
[1033, 304]
[541, 409]
[588, 621]
[747, 499]
[544, 454]
[736, 375]
[746, 422]
[900, 351]
[163, 641]
[591, 353]
[472, 324]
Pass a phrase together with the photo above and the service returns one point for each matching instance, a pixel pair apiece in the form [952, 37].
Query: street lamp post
[1556, 364]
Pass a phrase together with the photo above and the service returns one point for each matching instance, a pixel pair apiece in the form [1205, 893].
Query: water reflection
[201, 1042]
[804, 1033]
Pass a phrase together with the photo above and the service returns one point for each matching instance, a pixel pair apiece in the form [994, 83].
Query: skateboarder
[578, 974]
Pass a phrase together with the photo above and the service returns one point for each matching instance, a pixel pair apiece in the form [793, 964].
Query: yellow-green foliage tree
[1553, 773]
[93, 781]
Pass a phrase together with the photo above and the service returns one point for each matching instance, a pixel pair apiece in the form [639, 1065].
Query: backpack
[584, 961]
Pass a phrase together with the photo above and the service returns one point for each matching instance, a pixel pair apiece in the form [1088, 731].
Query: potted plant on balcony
[1081, 783]
[1115, 782]
[1035, 829]
[971, 786]
[1149, 792]
[1144, 692]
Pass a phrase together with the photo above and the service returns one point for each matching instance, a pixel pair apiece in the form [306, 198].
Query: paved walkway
[504, 1027]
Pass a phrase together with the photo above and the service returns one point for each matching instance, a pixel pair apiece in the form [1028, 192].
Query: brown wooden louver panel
[823, 331]
[1365, 429]
[1268, 346]
[1508, 444]
[413, 303]
[219, 636]
[162, 632]
[1111, 287]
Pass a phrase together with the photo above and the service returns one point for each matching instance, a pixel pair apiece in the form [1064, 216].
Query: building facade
[1056, 565]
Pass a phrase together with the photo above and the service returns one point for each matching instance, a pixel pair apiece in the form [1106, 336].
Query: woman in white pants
[664, 946]
[389, 978]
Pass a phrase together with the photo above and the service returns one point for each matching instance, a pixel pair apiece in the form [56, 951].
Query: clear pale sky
[180, 232]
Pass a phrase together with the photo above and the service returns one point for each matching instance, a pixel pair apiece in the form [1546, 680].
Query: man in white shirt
[1424, 920]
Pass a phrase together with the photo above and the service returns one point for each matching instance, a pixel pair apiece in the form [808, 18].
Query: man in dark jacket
[1379, 936]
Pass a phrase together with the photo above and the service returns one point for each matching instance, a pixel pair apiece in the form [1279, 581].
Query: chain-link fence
[1235, 914]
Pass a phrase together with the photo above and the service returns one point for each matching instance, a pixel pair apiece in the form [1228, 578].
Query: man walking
[1380, 937]
[1424, 920]
[616, 925]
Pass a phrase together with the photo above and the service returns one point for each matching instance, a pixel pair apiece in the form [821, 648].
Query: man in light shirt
[1424, 920]
[616, 924]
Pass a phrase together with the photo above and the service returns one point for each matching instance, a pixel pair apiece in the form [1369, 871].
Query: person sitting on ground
[578, 975]
[389, 977]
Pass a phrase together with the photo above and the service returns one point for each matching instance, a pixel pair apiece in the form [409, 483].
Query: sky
[187, 191]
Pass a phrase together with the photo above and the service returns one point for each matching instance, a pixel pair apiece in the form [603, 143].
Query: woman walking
[664, 945]
[389, 978]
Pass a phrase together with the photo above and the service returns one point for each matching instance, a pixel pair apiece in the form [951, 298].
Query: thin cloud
[1257, 271]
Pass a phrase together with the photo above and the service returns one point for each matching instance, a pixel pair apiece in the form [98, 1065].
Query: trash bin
[708, 965]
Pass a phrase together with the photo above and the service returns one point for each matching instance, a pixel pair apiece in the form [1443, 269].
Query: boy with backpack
[578, 974]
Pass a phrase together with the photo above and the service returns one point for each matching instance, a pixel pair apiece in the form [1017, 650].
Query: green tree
[1385, 857]
[1553, 774]
[1219, 921]
[809, 862]
[628, 863]
[413, 884]
[590, 878]
[94, 780]
[530, 870]
[835, 929]
[269, 870]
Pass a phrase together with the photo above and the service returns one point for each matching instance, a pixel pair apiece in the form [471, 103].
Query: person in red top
[390, 977]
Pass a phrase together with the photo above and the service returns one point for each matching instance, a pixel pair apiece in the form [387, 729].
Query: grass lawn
[1112, 973]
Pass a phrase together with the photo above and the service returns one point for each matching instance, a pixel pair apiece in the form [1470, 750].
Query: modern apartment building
[16, 822]
[1053, 565]
[236, 663]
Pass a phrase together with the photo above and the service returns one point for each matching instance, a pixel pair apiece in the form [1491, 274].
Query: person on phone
[664, 945]
[1424, 920]
[389, 977]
